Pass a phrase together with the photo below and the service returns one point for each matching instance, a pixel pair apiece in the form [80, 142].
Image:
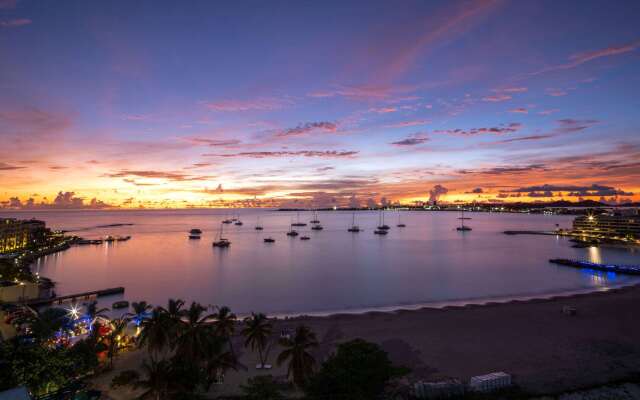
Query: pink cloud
[299, 153]
[384, 110]
[14, 23]
[578, 59]
[413, 140]
[213, 142]
[446, 26]
[548, 112]
[497, 130]
[497, 97]
[519, 110]
[304, 129]
[405, 124]
[359, 92]
[260, 104]
[513, 90]
[556, 92]
[8, 4]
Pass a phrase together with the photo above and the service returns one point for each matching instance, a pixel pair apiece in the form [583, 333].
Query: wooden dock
[73, 298]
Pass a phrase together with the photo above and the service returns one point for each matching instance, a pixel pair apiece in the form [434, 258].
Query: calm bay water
[428, 261]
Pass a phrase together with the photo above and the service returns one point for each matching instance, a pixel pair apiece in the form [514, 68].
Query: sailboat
[298, 223]
[382, 226]
[258, 225]
[354, 228]
[400, 223]
[315, 219]
[226, 220]
[462, 226]
[221, 241]
[292, 232]
[238, 221]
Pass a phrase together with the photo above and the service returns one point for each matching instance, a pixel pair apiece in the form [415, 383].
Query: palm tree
[118, 327]
[92, 312]
[174, 309]
[140, 311]
[217, 359]
[256, 332]
[159, 379]
[173, 314]
[46, 323]
[225, 325]
[155, 333]
[301, 362]
[195, 334]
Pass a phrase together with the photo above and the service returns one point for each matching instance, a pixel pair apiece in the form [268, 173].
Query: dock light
[74, 312]
[590, 217]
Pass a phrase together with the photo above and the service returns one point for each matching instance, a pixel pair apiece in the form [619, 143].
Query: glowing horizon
[205, 104]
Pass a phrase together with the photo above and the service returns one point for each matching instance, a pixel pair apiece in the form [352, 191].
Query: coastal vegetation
[185, 350]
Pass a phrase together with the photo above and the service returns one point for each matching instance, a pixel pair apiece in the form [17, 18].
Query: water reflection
[428, 261]
[594, 255]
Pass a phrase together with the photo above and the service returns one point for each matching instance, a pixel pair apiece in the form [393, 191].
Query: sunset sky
[266, 103]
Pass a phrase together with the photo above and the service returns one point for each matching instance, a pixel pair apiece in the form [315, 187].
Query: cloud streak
[287, 153]
[15, 23]
[307, 128]
[578, 59]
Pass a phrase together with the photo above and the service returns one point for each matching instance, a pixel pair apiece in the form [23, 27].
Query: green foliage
[84, 354]
[256, 332]
[296, 353]
[48, 322]
[201, 349]
[40, 368]
[359, 370]
[262, 387]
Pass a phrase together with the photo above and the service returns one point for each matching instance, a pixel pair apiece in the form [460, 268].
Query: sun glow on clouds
[181, 116]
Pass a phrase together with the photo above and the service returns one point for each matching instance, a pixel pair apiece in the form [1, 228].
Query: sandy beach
[545, 350]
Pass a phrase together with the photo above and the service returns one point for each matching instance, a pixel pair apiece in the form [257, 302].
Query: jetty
[73, 298]
[622, 269]
[533, 233]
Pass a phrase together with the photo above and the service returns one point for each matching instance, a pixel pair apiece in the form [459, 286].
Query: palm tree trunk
[233, 353]
[260, 355]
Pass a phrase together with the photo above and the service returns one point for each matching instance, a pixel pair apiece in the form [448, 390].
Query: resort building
[17, 234]
[607, 226]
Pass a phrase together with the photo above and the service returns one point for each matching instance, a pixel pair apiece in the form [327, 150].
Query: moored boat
[221, 241]
[120, 304]
[400, 223]
[381, 225]
[463, 227]
[298, 223]
[354, 228]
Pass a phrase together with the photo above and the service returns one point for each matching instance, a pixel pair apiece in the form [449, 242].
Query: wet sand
[545, 350]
